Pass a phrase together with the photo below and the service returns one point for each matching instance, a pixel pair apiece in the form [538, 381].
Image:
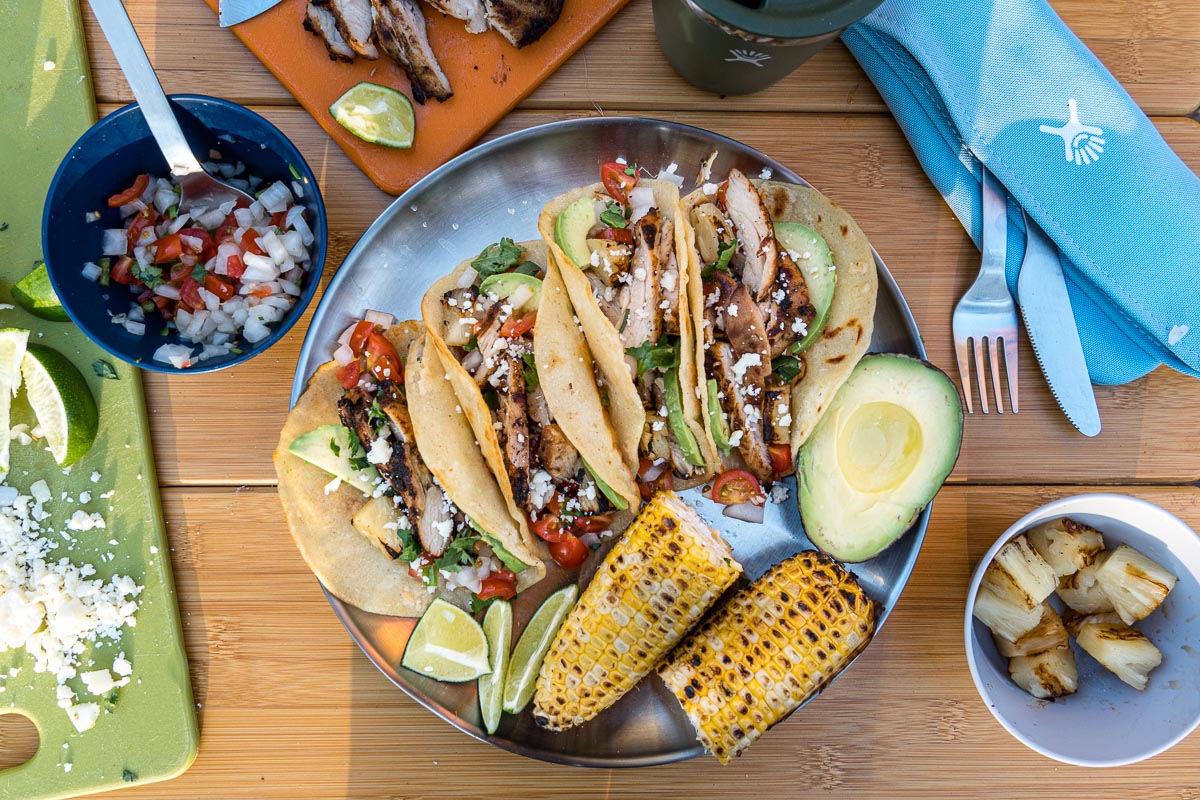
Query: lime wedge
[376, 114]
[35, 294]
[12, 351]
[531, 648]
[62, 402]
[497, 626]
[447, 645]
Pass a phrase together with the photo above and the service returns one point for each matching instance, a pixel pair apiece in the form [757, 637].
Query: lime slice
[497, 626]
[376, 114]
[12, 351]
[447, 645]
[531, 648]
[35, 294]
[62, 402]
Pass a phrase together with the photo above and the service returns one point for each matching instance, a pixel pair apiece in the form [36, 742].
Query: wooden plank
[291, 708]
[1152, 48]
[862, 161]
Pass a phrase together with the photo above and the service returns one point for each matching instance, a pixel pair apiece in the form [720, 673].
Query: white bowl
[1106, 723]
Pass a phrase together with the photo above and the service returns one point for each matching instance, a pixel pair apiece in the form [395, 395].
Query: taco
[621, 246]
[524, 378]
[382, 527]
[785, 304]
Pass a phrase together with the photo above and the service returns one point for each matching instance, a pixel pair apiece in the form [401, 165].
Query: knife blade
[1050, 323]
[232, 12]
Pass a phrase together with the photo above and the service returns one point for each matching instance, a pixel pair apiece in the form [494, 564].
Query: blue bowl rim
[320, 233]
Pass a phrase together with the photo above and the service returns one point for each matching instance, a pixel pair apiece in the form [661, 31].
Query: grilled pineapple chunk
[1048, 634]
[1066, 545]
[1004, 618]
[1082, 591]
[1074, 620]
[1050, 673]
[1127, 653]
[1134, 583]
[1020, 576]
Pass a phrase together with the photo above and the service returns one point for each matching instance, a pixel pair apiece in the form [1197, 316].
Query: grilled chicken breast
[757, 254]
[400, 29]
[354, 23]
[558, 456]
[488, 343]
[437, 523]
[744, 410]
[470, 11]
[319, 20]
[787, 310]
[514, 420]
[641, 295]
[522, 22]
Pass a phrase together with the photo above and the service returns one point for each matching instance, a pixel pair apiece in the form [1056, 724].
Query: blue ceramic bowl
[105, 161]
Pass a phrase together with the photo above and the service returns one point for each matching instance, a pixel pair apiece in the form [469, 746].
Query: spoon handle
[126, 46]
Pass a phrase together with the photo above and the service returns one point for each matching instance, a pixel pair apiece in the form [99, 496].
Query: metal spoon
[198, 189]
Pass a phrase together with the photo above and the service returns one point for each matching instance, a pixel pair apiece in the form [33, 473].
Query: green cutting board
[150, 732]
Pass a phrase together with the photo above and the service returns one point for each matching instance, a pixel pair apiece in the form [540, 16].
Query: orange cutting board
[488, 75]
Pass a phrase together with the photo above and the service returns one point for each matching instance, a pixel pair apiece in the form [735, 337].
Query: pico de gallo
[220, 277]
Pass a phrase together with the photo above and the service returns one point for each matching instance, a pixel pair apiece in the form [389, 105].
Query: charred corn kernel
[654, 585]
[775, 644]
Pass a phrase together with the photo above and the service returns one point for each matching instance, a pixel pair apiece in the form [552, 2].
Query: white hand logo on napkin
[1082, 142]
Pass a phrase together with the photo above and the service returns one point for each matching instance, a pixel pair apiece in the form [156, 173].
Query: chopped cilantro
[490, 399]
[631, 170]
[613, 215]
[497, 258]
[459, 553]
[787, 367]
[358, 456]
[528, 268]
[105, 369]
[725, 252]
[334, 447]
[172, 212]
[411, 546]
[149, 275]
[295, 173]
[478, 605]
[472, 343]
[624, 321]
[375, 416]
[198, 273]
[662, 356]
[531, 375]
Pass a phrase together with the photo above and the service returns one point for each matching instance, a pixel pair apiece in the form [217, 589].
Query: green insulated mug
[743, 46]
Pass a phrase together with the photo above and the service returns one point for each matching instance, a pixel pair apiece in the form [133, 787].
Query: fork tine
[997, 388]
[1010, 364]
[964, 372]
[983, 401]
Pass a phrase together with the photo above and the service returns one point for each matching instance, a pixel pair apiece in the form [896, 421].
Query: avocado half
[886, 444]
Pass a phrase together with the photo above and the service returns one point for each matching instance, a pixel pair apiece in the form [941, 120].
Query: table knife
[1046, 309]
[232, 12]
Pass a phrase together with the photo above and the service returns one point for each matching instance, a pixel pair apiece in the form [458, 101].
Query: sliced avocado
[506, 284]
[816, 262]
[679, 427]
[335, 449]
[618, 502]
[571, 230]
[506, 558]
[881, 452]
[716, 422]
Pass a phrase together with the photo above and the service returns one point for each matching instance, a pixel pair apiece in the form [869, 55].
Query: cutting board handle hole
[19, 740]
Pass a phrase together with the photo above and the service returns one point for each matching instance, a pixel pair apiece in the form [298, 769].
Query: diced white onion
[136, 328]
[346, 334]
[641, 196]
[91, 217]
[657, 468]
[467, 278]
[379, 318]
[227, 207]
[290, 287]
[179, 223]
[663, 175]
[295, 219]
[177, 354]
[258, 268]
[92, 271]
[167, 290]
[211, 301]
[193, 243]
[343, 355]
[294, 244]
[276, 197]
[114, 242]
[746, 512]
[297, 188]
[472, 360]
[244, 217]
[135, 313]
[164, 198]
[274, 247]
[142, 256]
[255, 331]
[211, 219]
[129, 209]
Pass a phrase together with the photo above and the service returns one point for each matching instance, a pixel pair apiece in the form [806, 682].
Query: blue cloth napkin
[1006, 83]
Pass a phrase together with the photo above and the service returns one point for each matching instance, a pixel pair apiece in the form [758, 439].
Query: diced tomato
[664, 482]
[234, 266]
[224, 231]
[516, 327]
[359, 338]
[349, 373]
[549, 527]
[279, 219]
[622, 235]
[569, 552]
[382, 359]
[423, 561]
[249, 243]
[189, 292]
[140, 223]
[616, 182]
[168, 249]
[218, 286]
[501, 585]
[122, 270]
[781, 459]
[144, 296]
[592, 524]
[180, 270]
[132, 193]
[736, 486]
[166, 306]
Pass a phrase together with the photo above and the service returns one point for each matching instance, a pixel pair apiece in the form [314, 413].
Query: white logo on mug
[1082, 143]
[748, 57]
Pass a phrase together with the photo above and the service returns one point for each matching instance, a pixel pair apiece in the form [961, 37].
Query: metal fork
[987, 312]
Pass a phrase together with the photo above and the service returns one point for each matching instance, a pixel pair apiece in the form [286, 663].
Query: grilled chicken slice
[514, 421]
[522, 22]
[558, 456]
[319, 20]
[602, 293]
[757, 254]
[437, 523]
[777, 418]
[470, 11]
[539, 411]
[787, 311]
[743, 409]
[747, 333]
[488, 343]
[641, 294]
[355, 23]
[400, 29]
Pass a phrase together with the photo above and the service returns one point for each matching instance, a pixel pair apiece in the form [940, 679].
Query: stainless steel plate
[497, 190]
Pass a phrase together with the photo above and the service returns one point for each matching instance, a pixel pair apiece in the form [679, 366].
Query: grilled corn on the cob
[768, 649]
[1021, 576]
[1049, 634]
[1135, 583]
[655, 584]
[1066, 545]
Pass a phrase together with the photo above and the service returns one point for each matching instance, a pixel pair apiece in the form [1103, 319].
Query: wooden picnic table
[290, 708]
